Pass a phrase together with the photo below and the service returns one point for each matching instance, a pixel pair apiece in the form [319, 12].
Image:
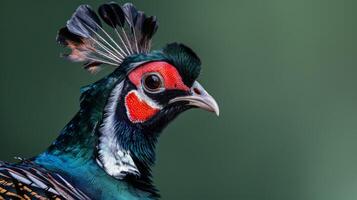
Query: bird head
[146, 90]
[160, 85]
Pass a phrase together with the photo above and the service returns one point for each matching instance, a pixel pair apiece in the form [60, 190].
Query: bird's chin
[165, 117]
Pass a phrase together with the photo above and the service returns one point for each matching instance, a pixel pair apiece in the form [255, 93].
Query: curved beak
[199, 98]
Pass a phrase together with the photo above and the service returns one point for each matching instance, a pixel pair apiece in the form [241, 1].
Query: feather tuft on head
[90, 43]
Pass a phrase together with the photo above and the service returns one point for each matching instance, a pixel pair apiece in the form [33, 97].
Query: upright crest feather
[91, 44]
[131, 13]
[150, 27]
[112, 14]
[84, 22]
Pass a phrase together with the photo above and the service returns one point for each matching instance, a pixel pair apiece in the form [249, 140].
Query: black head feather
[83, 22]
[139, 33]
[185, 60]
[131, 14]
[150, 27]
[112, 14]
[140, 20]
[64, 36]
[91, 44]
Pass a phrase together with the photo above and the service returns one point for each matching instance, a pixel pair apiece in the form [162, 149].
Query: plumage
[84, 22]
[108, 149]
[64, 36]
[26, 180]
[112, 14]
[131, 14]
[150, 27]
[91, 44]
[93, 66]
[186, 61]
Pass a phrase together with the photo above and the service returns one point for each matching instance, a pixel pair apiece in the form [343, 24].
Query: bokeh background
[283, 71]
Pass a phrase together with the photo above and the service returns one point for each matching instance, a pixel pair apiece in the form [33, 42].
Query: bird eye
[153, 82]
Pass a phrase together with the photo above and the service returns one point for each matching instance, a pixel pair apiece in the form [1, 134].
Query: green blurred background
[283, 71]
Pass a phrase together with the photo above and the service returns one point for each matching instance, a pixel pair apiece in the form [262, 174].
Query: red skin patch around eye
[137, 109]
[172, 79]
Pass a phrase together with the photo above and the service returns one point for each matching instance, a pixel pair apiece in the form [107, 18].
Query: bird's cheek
[138, 108]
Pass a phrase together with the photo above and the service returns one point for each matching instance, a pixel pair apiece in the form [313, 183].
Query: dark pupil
[152, 82]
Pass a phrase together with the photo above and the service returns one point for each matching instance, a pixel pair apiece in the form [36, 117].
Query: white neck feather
[115, 160]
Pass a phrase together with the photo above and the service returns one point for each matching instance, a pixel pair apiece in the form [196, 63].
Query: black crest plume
[92, 44]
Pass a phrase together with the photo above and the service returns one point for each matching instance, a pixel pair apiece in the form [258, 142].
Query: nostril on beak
[197, 91]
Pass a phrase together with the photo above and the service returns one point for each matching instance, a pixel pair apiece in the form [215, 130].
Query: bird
[107, 150]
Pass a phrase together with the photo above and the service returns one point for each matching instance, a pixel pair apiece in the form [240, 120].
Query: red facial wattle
[138, 110]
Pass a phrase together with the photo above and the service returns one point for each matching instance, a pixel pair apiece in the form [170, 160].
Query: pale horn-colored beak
[199, 98]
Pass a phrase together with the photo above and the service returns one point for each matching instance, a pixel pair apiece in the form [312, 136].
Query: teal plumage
[107, 150]
[73, 152]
